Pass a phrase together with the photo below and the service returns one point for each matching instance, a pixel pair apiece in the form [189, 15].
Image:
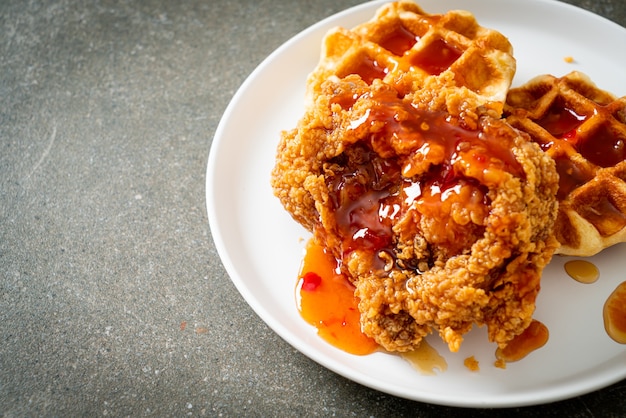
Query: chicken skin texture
[441, 221]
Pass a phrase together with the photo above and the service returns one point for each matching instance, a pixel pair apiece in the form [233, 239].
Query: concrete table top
[113, 300]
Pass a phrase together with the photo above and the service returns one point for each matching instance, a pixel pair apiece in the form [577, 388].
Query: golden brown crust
[583, 128]
[441, 213]
[439, 263]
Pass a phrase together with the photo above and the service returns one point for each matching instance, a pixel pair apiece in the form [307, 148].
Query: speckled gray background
[113, 300]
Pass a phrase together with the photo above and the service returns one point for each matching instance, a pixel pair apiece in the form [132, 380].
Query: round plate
[262, 247]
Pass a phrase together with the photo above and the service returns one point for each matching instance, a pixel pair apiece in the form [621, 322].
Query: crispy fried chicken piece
[441, 221]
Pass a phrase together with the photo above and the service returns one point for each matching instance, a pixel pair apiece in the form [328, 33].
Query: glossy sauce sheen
[614, 314]
[603, 214]
[614, 309]
[602, 147]
[434, 58]
[425, 359]
[399, 41]
[561, 121]
[369, 69]
[570, 176]
[371, 186]
[326, 300]
[582, 271]
[533, 338]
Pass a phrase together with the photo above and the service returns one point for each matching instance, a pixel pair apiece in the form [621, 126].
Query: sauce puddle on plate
[532, 338]
[614, 309]
[425, 359]
[326, 300]
[614, 314]
[582, 271]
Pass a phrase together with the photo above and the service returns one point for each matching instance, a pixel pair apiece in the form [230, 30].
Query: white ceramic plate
[262, 247]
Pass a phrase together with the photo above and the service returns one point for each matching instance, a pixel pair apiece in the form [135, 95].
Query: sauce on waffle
[407, 48]
[583, 128]
[437, 57]
[399, 41]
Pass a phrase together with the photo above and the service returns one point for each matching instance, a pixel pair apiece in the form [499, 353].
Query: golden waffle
[422, 54]
[583, 128]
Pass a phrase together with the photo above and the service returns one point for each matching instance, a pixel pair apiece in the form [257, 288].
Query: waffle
[422, 55]
[583, 128]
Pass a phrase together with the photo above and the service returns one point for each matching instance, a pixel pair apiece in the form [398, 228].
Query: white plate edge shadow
[335, 362]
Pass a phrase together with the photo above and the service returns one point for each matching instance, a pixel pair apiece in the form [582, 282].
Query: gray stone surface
[113, 300]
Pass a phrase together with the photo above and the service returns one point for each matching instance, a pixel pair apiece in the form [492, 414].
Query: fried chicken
[441, 221]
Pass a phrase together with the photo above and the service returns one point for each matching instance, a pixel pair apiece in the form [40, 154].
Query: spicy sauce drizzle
[411, 159]
[326, 300]
[434, 58]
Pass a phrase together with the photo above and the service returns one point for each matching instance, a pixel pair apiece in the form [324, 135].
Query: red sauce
[407, 128]
[399, 41]
[346, 101]
[603, 214]
[368, 188]
[326, 300]
[369, 69]
[603, 148]
[533, 338]
[438, 197]
[570, 176]
[614, 314]
[561, 121]
[436, 57]
[363, 199]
